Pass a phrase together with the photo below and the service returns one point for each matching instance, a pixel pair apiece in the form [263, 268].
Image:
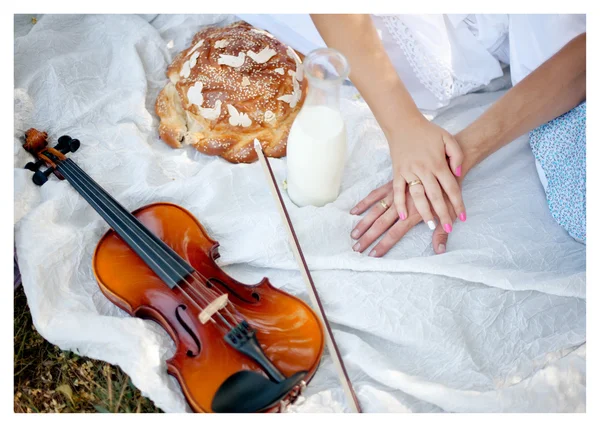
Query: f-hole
[189, 330]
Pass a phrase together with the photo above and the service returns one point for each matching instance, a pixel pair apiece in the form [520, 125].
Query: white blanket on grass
[495, 324]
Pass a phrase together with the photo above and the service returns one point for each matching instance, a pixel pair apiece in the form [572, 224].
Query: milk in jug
[316, 147]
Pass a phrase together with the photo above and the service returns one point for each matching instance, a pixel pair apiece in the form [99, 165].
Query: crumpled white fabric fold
[495, 324]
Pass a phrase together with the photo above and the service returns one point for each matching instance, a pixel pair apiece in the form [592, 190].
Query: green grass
[48, 379]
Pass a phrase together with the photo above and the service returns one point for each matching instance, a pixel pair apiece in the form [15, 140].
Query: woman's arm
[418, 148]
[555, 87]
[371, 70]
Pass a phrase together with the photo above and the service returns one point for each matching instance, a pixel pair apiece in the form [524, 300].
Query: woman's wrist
[470, 155]
[396, 130]
[473, 144]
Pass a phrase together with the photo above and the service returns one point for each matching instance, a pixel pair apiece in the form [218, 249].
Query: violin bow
[312, 290]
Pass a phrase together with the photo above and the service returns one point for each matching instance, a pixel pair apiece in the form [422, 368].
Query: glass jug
[316, 147]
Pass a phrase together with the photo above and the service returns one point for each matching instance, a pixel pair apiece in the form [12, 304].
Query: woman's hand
[383, 217]
[430, 157]
[418, 147]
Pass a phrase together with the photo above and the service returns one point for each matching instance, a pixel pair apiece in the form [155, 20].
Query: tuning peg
[40, 178]
[67, 144]
[63, 142]
[34, 166]
[74, 145]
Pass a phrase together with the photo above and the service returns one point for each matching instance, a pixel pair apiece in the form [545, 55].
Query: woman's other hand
[429, 157]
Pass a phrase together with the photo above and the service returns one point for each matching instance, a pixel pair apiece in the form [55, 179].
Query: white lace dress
[440, 57]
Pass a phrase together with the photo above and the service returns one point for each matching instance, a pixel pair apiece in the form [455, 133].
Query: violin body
[289, 332]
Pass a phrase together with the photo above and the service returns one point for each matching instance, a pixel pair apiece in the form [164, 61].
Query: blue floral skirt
[559, 150]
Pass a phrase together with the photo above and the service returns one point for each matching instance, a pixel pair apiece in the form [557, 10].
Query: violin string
[161, 269]
[97, 205]
[212, 293]
[206, 300]
[229, 304]
[94, 202]
[127, 215]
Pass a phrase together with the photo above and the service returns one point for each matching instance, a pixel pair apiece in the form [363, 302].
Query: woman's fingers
[374, 196]
[417, 192]
[436, 198]
[453, 192]
[440, 237]
[400, 197]
[375, 230]
[374, 213]
[454, 153]
[394, 235]
[439, 240]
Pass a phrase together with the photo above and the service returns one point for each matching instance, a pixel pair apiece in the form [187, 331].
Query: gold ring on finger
[415, 182]
[384, 204]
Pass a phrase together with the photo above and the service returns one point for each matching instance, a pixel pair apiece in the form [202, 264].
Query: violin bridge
[212, 308]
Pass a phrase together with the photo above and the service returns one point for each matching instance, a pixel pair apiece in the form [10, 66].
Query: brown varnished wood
[289, 331]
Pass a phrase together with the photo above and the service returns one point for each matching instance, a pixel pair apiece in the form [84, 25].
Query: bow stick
[312, 290]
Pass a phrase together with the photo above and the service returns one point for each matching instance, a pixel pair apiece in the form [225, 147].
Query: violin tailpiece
[243, 338]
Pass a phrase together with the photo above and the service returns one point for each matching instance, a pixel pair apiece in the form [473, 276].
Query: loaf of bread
[233, 84]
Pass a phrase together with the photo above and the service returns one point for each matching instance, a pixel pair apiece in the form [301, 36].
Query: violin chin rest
[248, 391]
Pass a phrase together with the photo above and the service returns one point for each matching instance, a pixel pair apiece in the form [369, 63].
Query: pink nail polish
[463, 216]
[447, 228]
[356, 247]
[372, 253]
[402, 216]
[459, 170]
[354, 211]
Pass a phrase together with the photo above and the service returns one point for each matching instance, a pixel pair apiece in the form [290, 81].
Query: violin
[239, 347]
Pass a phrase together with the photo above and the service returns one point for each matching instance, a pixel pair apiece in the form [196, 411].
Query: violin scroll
[36, 143]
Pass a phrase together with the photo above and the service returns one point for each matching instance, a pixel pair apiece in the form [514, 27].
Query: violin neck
[163, 260]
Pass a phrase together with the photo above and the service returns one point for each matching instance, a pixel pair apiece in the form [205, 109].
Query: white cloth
[535, 38]
[495, 324]
[441, 57]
